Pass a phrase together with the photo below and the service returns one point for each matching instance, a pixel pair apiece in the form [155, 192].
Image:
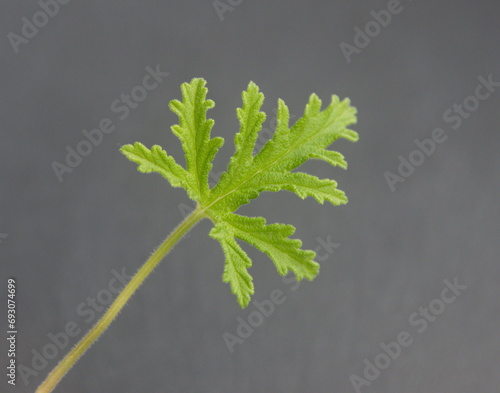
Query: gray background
[396, 248]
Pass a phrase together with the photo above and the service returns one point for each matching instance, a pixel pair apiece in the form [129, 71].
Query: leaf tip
[313, 106]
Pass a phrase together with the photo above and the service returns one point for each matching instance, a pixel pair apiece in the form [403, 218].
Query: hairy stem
[72, 357]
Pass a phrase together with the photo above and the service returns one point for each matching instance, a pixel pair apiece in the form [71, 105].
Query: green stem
[72, 357]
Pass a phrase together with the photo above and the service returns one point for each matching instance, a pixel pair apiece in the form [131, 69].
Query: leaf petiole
[72, 357]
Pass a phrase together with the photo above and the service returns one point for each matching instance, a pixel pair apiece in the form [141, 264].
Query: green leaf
[237, 263]
[273, 240]
[193, 131]
[251, 119]
[157, 160]
[332, 157]
[302, 184]
[247, 175]
[270, 169]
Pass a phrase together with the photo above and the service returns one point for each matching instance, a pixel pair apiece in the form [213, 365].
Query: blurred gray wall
[386, 255]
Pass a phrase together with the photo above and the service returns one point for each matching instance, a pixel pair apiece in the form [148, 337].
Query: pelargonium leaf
[194, 130]
[157, 160]
[273, 240]
[270, 169]
[249, 174]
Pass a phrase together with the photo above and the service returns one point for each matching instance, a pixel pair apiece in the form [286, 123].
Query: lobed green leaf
[270, 169]
[157, 160]
[194, 130]
[273, 240]
[248, 175]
